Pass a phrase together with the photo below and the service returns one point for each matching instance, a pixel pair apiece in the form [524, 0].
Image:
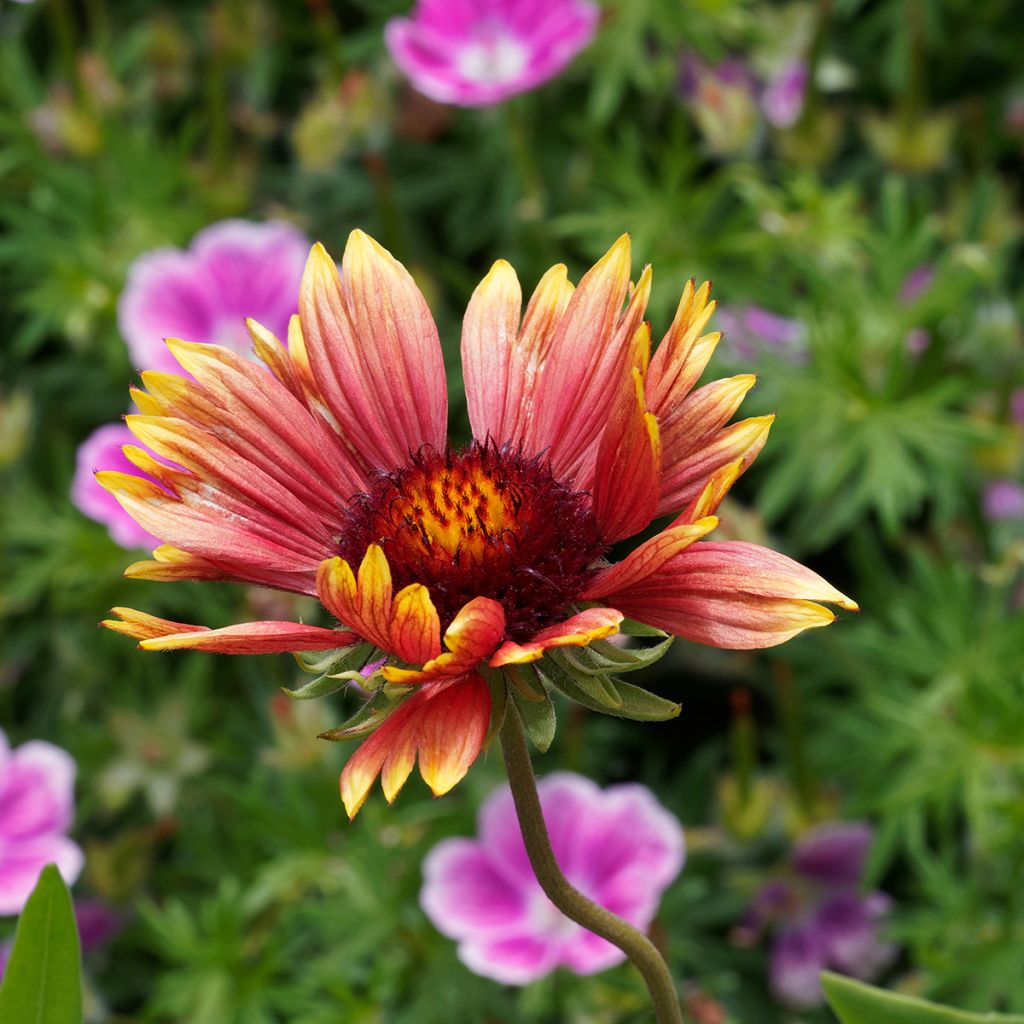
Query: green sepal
[538, 717]
[634, 703]
[598, 688]
[601, 657]
[630, 627]
[318, 662]
[337, 671]
[499, 703]
[369, 716]
[856, 1003]
[526, 681]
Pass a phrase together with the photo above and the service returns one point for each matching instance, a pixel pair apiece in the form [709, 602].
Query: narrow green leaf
[563, 672]
[538, 719]
[857, 1003]
[369, 716]
[630, 627]
[43, 980]
[339, 669]
[641, 705]
[326, 662]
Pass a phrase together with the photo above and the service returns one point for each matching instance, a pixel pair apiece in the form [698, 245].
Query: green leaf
[630, 627]
[43, 980]
[369, 716]
[326, 662]
[857, 1003]
[339, 669]
[538, 719]
[632, 702]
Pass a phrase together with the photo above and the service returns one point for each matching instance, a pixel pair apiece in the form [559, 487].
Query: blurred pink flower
[1017, 406]
[619, 846]
[475, 53]
[1003, 501]
[916, 283]
[782, 101]
[232, 270]
[102, 450]
[821, 919]
[751, 332]
[37, 798]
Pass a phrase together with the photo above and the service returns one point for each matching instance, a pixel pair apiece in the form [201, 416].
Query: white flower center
[492, 58]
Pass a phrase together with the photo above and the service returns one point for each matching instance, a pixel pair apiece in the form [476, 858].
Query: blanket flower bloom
[619, 846]
[232, 270]
[37, 800]
[479, 52]
[331, 475]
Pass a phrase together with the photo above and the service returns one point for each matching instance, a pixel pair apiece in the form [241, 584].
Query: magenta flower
[916, 283]
[1003, 501]
[232, 270]
[36, 807]
[475, 53]
[619, 846]
[782, 101]
[820, 918]
[752, 332]
[102, 450]
[1017, 406]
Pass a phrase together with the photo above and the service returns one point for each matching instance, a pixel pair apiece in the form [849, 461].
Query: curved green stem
[637, 947]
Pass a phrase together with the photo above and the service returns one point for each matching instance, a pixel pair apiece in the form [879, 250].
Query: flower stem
[569, 900]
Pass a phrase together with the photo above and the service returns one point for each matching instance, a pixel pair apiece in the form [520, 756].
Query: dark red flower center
[483, 521]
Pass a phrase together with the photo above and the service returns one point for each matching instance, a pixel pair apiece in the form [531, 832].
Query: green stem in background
[569, 900]
[742, 744]
[812, 96]
[534, 199]
[790, 712]
[65, 32]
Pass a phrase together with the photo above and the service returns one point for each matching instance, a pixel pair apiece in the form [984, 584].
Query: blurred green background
[208, 810]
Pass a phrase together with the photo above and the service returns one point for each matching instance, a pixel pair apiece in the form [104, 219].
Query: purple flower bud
[916, 283]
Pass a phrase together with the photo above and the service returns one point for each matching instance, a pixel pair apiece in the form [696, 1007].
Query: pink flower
[1003, 501]
[232, 270]
[820, 917]
[619, 846]
[475, 53]
[916, 283]
[36, 807]
[752, 332]
[102, 450]
[782, 101]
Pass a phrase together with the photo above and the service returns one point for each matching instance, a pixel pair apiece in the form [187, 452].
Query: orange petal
[374, 352]
[444, 722]
[577, 631]
[628, 469]
[731, 594]
[683, 481]
[473, 635]
[489, 338]
[406, 625]
[648, 558]
[585, 362]
[267, 637]
[452, 733]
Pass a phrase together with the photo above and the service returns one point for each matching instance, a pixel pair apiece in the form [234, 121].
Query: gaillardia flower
[463, 566]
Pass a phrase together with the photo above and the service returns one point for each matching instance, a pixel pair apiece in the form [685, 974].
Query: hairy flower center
[484, 521]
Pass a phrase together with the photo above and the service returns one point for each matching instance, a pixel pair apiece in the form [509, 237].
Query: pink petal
[465, 896]
[38, 793]
[518, 960]
[21, 863]
[102, 450]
